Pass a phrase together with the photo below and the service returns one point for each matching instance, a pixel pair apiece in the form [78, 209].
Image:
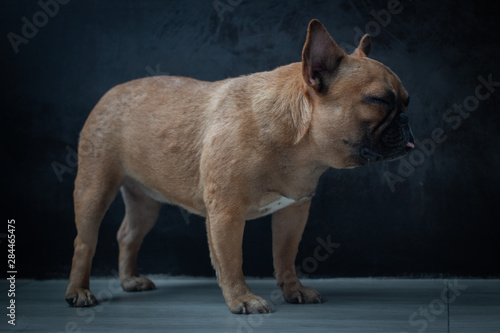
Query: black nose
[403, 118]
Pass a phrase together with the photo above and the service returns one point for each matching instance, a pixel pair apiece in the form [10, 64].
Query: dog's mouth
[370, 155]
[406, 149]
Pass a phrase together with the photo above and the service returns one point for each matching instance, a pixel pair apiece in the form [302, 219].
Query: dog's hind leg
[96, 186]
[141, 213]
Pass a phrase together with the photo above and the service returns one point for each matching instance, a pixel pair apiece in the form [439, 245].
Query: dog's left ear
[321, 56]
[365, 45]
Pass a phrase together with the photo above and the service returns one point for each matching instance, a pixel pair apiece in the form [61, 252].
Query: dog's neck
[283, 114]
[283, 102]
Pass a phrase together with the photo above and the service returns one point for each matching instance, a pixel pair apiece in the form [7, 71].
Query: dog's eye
[380, 101]
[377, 100]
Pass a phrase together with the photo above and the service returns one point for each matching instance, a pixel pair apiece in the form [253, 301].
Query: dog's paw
[302, 295]
[81, 297]
[248, 304]
[137, 283]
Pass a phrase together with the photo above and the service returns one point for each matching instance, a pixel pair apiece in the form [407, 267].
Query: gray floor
[196, 305]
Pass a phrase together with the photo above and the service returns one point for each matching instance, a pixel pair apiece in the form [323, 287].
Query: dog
[230, 151]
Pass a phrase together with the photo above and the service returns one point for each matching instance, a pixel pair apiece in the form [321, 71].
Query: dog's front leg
[225, 237]
[288, 225]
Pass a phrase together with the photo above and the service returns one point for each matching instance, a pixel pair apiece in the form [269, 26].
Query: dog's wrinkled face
[360, 105]
[380, 110]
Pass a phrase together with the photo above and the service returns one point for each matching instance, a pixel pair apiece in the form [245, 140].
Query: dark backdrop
[439, 218]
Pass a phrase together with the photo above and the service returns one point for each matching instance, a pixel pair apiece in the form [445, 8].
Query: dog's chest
[279, 204]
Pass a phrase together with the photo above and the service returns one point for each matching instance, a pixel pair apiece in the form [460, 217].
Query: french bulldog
[231, 151]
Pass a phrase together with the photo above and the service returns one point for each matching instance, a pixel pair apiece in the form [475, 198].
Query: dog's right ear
[320, 57]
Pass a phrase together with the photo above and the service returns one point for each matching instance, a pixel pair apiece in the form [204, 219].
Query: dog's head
[358, 105]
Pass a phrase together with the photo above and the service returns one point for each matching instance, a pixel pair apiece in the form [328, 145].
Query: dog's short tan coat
[230, 151]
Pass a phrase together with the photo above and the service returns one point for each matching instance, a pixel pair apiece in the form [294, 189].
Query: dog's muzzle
[397, 140]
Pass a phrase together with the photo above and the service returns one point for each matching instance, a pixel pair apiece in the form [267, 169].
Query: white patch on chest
[279, 204]
[155, 195]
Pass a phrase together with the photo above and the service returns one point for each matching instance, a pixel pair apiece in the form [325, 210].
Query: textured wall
[439, 216]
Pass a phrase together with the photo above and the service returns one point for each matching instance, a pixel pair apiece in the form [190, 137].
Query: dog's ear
[320, 57]
[365, 45]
